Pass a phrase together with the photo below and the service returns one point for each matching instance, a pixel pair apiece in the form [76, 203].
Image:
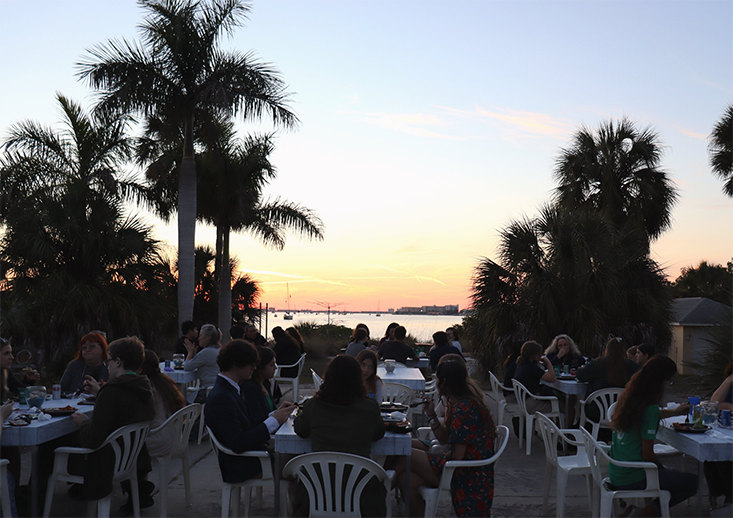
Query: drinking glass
[36, 396]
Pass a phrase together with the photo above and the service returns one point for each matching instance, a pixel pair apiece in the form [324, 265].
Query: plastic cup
[693, 401]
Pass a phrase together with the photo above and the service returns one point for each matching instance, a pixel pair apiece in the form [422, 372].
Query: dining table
[39, 432]
[181, 377]
[410, 376]
[714, 445]
[288, 442]
[569, 387]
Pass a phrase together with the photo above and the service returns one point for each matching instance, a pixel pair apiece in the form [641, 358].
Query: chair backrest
[317, 380]
[597, 458]
[431, 390]
[334, 481]
[181, 422]
[610, 411]
[218, 447]
[301, 364]
[126, 442]
[397, 393]
[497, 387]
[502, 439]
[521, 393]
[550, 436]
[602, 399]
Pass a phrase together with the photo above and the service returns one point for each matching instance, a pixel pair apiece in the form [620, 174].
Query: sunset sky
[427, 126]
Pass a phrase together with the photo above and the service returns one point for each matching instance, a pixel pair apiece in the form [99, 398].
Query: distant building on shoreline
[428, 310]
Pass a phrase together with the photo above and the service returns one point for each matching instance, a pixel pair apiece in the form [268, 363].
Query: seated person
[529, 373]
[563, 352]
[89, 361]
[126, 399]
[226, 414]
[287, 351]
[358, 343]
[442, 347]
[719, 475]
[341, 418]
[168, 401]
[396, 349]
[203, 361]
[372, 383]
[253, 336]
[190, 333]
[256, 390]
[643, 353]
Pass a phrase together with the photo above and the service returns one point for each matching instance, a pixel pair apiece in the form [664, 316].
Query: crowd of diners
[243, 411]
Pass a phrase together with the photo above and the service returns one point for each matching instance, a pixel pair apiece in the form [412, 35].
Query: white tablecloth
[410, 376]
[714, 445]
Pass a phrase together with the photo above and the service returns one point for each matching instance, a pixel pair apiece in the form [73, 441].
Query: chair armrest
[72, 450]
[425, 433]
[543, 398]
[577, 437]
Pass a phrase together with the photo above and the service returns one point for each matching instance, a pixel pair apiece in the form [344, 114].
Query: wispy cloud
[417, 124]
[410, 275]
[521, 123]
[692, 134]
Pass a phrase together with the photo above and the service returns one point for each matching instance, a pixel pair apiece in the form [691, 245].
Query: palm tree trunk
[186, 227]
[225, 287]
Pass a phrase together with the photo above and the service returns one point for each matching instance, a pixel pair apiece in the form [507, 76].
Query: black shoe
[515, 425]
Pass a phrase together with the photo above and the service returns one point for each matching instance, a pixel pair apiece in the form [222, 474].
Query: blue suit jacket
[225, 414]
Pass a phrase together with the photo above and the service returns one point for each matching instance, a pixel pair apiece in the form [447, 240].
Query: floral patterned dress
[472, 488]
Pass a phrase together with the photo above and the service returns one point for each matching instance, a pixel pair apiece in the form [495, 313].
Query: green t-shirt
[626, 446]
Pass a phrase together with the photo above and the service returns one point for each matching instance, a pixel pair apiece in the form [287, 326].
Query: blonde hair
[553, 345]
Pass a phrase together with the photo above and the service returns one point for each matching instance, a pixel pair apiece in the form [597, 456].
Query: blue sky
[427, 126]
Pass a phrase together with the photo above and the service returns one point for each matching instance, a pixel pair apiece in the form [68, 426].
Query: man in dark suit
[397, 349]
[227, 417]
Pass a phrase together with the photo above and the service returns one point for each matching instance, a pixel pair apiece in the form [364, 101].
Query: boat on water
[287, 315]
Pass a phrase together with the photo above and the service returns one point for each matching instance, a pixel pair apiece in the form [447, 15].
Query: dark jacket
[76, 372]
[596, 374]
[124, 400]
[227, 418]
[255, 401]
[438, 352]
[287, 353]
[397, 351]
[571, 360]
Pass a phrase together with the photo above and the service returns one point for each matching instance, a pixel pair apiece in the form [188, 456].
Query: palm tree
[721, 150]
[180, 74]
[72, 260]
[616, 171]
[567, 272]
[232, 200]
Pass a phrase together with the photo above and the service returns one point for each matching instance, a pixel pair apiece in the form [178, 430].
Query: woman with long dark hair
[89, 361]
[719, 475]
[372, 383]
[256, 391]
[292, 331]
[287, 351]
[613, 369]
[168, 401]
[341, 418]
[469, 432]
[635, 422]
[388, 334]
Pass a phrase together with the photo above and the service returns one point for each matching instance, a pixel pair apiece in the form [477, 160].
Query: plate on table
[690, 428]
[566, 377]
[61, 411]
[392, 407]
[88, 401]
[402, 427]
[21, 420]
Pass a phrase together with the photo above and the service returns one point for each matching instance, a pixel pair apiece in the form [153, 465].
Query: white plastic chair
[660, 449]
[202, 429]
[602, 399]
[565, 466]
[179, 426]
[521, 393]
[230, 490]
[497, 392]
[598, 460]
[432, 495]
[317, 380]
[399, 393]
[332, 489]
[126, 442]
[4, 491]
[295, 382]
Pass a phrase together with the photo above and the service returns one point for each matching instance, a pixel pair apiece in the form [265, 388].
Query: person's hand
[6, 410]
[31, 374]
[190, 347]
[282, 413]
[546, 360]
[562, 351]
[79, 419]
[683, 409]
[428, 407]
[91, 385]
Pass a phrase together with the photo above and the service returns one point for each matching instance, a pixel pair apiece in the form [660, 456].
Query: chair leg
[546, 489]
[664, 497]
[247, 499]
[502, 408]
[236, 500]
[49, 496]
[284, 488]
[186, 477]
[226, 497]
[521, 431]
[103, 506]
[606, 505]
[589, 489]
[530, 430]
[164, 478]
[201, 425]
[562, 483]
[135, 495]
